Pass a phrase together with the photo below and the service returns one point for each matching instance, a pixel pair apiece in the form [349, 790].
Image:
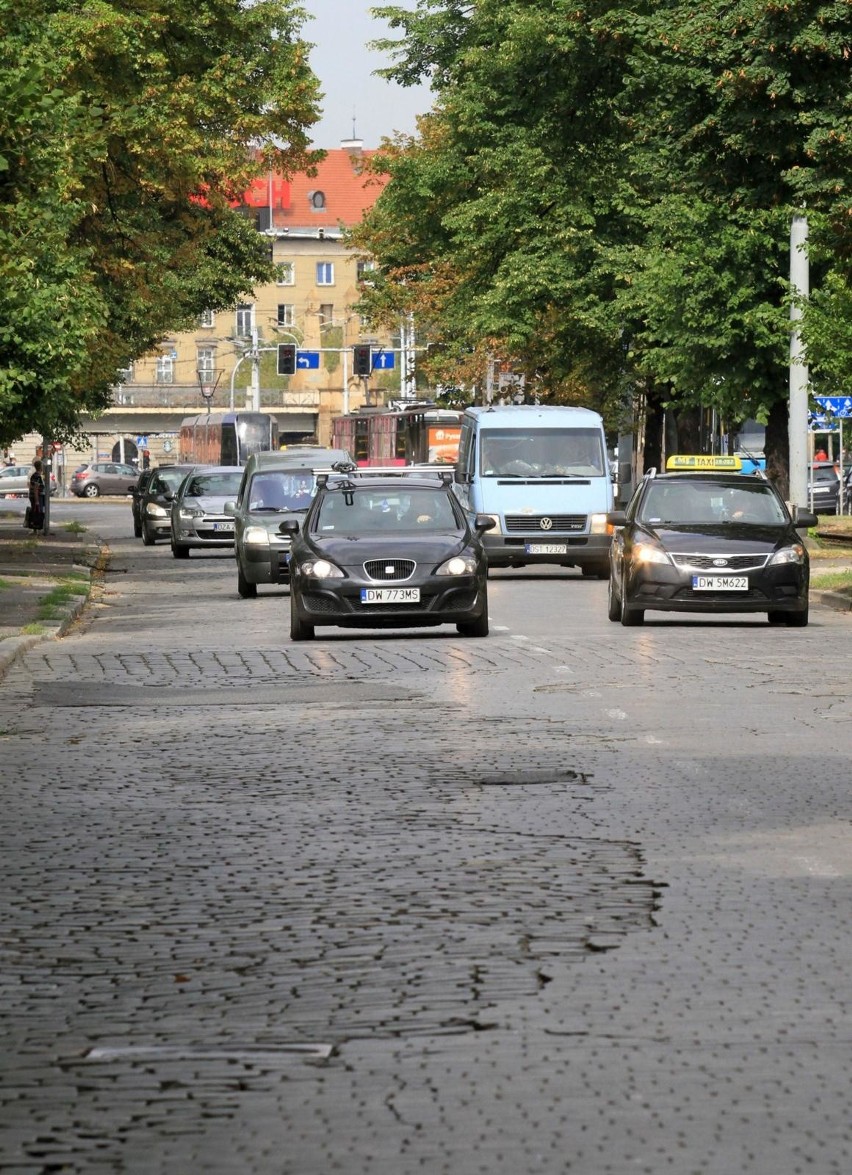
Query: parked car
[824, 489]
[15, 481]
[271, 489]
[152, 501]
[198, 517]
[104, 477]
[385, 552]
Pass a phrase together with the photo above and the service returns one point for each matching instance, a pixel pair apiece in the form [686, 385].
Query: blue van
[542, 473]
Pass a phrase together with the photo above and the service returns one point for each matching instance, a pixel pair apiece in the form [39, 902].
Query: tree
[131, 134]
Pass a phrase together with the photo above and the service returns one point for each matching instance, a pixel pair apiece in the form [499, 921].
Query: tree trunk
[777, 448]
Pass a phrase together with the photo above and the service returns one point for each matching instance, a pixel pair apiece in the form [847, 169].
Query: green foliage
[130, 133]
[603, 193]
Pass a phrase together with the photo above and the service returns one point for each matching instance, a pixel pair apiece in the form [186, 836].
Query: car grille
[732, 562]
[389, 570]
[532, 523]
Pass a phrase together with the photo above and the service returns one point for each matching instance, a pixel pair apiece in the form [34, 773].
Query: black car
[824, 488]
[152, 499]
[708, 543]
[387, 552]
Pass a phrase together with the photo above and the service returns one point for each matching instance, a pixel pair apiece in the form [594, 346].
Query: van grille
[532, 523]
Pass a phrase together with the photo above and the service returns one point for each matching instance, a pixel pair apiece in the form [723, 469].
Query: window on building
[325, 273]
[245, 319]
[205, 363]
[316, 200]
[165, 373]
[286, 274]
[326, 314]
[363, 269]
[207, 319]
[126, 375]
[286, 314]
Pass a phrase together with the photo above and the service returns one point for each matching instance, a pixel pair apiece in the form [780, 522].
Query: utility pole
[798, 411]
[46, 466]
[255, 367]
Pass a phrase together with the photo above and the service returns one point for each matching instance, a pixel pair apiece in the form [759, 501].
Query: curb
[833, 600]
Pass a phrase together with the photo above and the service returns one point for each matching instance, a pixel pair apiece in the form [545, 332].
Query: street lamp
[208, 382]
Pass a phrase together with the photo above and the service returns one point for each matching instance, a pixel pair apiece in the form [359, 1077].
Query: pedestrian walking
[35, 513]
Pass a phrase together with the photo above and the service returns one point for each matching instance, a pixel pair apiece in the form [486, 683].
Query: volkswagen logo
[546, 524]
[720, 562]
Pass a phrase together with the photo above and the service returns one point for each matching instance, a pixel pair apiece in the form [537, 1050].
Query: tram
[416, 435]
[226, 438]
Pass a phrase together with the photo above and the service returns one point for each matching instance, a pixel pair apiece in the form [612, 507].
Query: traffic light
[286, 359]
[362, 355]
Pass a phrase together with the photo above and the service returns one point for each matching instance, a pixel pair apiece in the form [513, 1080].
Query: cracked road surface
[571, 898]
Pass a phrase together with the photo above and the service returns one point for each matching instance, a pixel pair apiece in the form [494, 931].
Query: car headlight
[598, 524]
[793, 554]
[190, 512]
[649, 553]
[321, 569]
[458, 565]
[496, 528]
[156, 511]
[256, 536]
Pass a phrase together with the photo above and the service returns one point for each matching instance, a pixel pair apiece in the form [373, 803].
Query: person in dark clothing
[36, 511]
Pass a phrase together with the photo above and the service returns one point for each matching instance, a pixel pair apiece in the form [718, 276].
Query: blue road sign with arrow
[306, 360]
[383, 360]
[839, 407]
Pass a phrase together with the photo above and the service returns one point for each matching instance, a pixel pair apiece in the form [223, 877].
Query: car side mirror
[804, 519]
[484, 522]
[460, 478]
[288, 526]
[230, 508]
[616, 518]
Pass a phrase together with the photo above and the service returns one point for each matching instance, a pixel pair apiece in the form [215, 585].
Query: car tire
[246, 590]
[613, 610]
[91, 491]
[148, 539]
[628, 615]
[180, 551]
[478, 627]
[776, 617]
[797, 619]
[299, 629]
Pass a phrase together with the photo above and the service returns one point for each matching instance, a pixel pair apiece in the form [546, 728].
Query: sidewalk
[45, 581]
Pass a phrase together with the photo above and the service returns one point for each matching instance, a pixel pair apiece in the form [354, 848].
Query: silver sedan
[198, 517]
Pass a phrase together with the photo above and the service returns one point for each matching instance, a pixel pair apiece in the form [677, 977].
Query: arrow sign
[837, 406]
[383, 360]
[307, 359]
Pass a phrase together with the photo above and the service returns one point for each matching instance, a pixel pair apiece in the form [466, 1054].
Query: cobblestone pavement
[570, 899]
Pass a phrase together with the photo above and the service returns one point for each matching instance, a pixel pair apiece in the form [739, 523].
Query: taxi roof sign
[707, 462]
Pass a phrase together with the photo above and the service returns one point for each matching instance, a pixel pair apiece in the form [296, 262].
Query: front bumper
[202, 532]
[783, 588]
[265, 564]
[566, 550]
[455, 601]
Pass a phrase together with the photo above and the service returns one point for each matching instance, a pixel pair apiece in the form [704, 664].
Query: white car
[15, 481]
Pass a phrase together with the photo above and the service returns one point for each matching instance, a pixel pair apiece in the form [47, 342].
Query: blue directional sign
[383, 360]
[838, 407]
[307, 360]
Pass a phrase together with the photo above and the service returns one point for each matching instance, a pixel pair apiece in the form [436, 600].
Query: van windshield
[550, 452]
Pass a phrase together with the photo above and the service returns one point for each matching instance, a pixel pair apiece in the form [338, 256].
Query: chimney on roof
[355, 147]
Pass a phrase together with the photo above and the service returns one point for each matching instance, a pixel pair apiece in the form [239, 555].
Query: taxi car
[271, 488]
[198, 517]
[387, 552]
[704, 541]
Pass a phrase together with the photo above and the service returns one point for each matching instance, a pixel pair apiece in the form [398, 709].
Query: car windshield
[167, 480]
[214, 485]
[703, 503]
[280, 489]
[551, 452]
[379, 511]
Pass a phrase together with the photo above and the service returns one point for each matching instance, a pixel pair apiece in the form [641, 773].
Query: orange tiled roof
[348, 190]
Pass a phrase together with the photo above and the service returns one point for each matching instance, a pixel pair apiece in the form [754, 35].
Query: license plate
[720, 583]
[226, 526]
[390, 595]
[546, 548]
